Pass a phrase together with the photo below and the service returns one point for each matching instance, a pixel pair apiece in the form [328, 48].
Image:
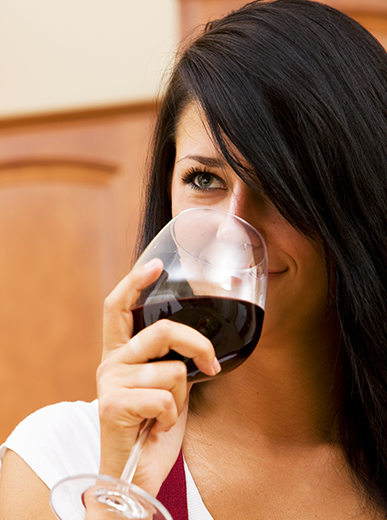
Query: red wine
[233, 327]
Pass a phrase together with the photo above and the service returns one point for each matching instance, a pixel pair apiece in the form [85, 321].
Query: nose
[243, 204]
[230, 231]
[243, 246]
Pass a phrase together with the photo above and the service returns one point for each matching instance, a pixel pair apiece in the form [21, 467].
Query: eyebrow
[211, 162]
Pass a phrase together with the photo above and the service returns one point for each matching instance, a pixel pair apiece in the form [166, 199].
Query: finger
[129, 407]
[118, 321]
[167, 375]
[158, 339]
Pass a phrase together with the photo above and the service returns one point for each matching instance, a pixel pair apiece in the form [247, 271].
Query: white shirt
[64, 439]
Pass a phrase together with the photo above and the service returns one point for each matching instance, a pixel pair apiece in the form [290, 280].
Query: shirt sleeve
[58, 441]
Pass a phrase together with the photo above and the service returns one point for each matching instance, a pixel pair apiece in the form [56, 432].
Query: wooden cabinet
[371, 13]
[69, 202]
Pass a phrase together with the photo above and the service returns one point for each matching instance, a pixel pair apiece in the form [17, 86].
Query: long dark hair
[300, 90]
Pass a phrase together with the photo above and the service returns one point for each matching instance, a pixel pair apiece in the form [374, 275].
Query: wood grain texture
[69, 204]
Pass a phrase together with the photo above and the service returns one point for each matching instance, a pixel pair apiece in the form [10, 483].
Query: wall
[57, 55]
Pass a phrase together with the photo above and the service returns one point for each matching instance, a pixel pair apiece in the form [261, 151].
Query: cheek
[181, 199]
[177, 197]
[298, 300]
[311, 276]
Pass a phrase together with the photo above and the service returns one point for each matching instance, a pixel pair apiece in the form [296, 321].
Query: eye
[202, 180]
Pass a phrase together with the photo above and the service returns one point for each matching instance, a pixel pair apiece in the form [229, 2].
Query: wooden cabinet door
[69, 202]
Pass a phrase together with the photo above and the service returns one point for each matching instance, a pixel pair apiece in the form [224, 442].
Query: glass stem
[135, 453]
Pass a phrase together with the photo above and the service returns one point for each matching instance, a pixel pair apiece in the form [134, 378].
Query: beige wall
[60, 55]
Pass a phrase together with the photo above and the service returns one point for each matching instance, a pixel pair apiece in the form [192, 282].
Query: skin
[262, 445]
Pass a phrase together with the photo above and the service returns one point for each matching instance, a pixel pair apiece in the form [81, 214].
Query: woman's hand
[130, 389]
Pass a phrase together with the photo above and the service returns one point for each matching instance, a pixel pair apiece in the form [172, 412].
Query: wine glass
[214, 279]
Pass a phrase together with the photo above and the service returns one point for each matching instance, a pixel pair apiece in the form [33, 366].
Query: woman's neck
[286, 392]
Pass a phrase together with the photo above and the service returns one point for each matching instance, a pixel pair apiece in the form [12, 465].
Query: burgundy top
[173, 492]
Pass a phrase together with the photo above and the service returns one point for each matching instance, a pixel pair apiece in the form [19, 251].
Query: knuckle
[179, 372]
[108, 303]
[163, 328]
[103, 369]
[100, 377]
[167, 401]
[107, 406]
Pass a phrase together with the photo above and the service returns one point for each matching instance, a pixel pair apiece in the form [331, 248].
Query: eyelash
[191, 173]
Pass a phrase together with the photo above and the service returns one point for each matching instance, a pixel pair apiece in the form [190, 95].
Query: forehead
[194, 141]
[193, 134]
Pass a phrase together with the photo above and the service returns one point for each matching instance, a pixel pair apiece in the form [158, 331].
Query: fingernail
[151, 263]
[216, 368]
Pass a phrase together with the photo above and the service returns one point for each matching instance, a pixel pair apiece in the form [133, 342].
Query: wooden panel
[69, 201]
[195, 13]
[376, 24]
[50, 292]
[371, 13]
[377, 7]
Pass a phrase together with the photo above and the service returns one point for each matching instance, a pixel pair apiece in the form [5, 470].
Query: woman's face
[298, 289]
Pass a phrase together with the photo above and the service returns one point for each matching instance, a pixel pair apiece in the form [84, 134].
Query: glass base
[99, 497]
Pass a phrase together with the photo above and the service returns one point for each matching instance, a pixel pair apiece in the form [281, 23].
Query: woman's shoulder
[58, 440]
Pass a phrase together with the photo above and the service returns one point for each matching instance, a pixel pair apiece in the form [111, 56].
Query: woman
[277, 113]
